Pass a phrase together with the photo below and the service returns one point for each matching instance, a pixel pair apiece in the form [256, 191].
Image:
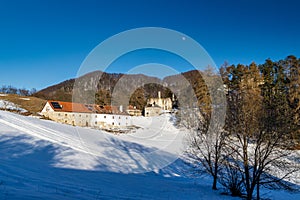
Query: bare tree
[23, 92]
[206, 146]
[254, 153]
[207, 136]
[260, 135]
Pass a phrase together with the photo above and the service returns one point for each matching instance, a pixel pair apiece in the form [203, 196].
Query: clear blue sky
[44, 42]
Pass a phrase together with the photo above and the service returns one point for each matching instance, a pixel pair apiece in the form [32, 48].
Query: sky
[45, 42]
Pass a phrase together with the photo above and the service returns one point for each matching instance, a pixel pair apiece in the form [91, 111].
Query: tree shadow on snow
[27, 171]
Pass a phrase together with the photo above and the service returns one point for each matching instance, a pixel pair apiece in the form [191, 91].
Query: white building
[133, 111]
[151, 111]
[110, 120]
[156, 106]
[90, 115]
[165, 103]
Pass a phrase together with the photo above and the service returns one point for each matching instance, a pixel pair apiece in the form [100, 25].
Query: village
[107, 117]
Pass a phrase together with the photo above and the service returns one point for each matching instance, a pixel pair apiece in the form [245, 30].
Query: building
[157, 106]
[164, 103]
[90, 115]
[151, 111]
[110, 117]
[133, 111]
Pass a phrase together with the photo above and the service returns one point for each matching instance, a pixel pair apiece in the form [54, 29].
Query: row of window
[113, 117]
[66, 115]
[73, 123]
[113, 123]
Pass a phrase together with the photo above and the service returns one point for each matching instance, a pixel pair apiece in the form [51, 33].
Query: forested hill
[99, 86]
[104, 84]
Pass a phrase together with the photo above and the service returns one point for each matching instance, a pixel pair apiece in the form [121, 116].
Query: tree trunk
[249, 196]
[257, 189]
[246, 168]
[214, 187]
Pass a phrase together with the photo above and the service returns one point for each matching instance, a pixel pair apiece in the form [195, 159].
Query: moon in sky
[183, 38]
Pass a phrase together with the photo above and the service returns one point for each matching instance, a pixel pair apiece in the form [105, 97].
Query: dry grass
[32, 104]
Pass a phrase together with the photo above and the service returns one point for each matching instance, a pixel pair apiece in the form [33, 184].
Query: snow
[25, 99]
[42, 159]
[7, 105]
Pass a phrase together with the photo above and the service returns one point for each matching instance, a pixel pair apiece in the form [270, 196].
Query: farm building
[90, 115]
[152, 111]
[164, 103]
[156, 106]
[133, 111]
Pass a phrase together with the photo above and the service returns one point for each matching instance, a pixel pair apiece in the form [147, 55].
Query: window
[95, 116]
[113, 117]
[79, 115]
[119, 117]
[58, 114]
[113, 123]
[66, 121]
[104, 117]
[66, 115]
[95, 123]
[119, 124]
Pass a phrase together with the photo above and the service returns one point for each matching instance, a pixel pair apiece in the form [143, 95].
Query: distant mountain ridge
[99, 86]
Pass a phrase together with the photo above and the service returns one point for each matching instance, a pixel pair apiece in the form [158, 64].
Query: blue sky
[45, 42]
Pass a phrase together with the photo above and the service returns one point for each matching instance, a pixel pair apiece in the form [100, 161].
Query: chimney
[173, 97]
[121, 108]
[159, 95]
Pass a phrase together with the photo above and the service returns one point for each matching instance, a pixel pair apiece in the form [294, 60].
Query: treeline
[274, 88]
[98, 87]
[256, 144]
[19, 91]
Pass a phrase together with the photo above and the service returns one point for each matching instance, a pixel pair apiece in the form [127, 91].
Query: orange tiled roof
[72, 107]
[84, 108]
[131, 107]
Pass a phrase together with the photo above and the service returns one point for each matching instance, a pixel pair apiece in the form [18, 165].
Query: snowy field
[7, 105]
[45, 160]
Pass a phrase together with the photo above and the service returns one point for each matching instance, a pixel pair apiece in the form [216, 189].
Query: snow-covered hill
[46, 160]
[7, 105]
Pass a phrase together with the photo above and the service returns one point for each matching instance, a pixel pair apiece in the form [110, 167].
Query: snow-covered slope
[7, 105]
[46, 160]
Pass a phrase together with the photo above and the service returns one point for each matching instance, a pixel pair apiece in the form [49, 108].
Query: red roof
[62, 106]
[131, 107]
